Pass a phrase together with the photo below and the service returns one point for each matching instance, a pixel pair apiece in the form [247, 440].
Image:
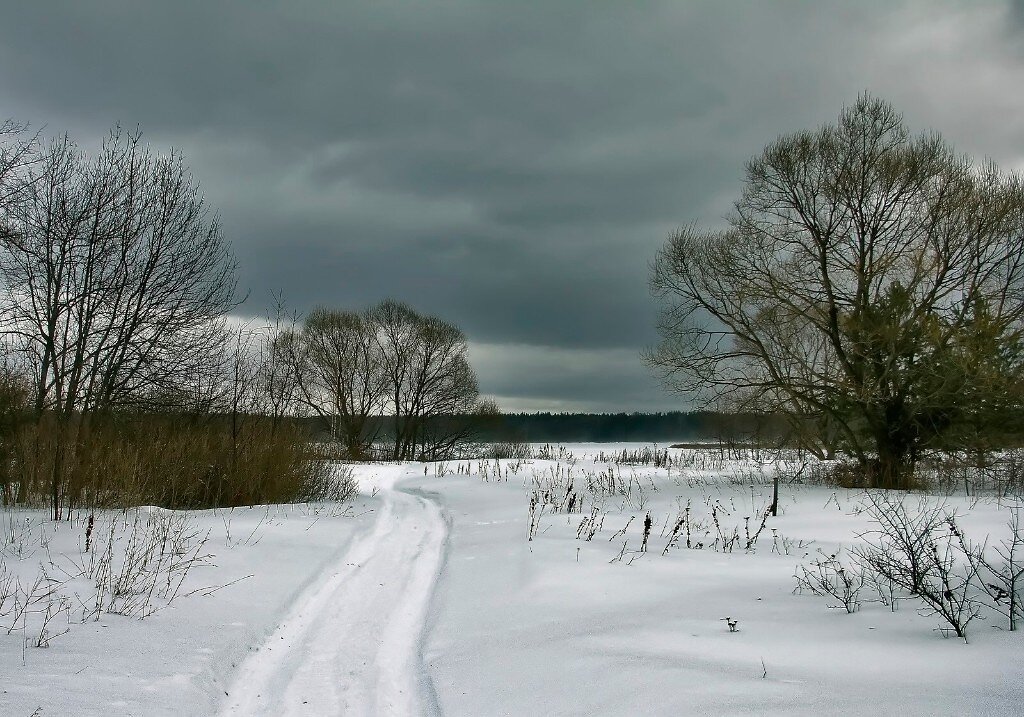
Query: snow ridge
[351, 644]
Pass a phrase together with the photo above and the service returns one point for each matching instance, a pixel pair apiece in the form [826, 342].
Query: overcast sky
[510, 166]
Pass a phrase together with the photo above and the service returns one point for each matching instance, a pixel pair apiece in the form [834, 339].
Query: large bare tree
[338, 369]
[439, 383]
[869, 284]
[428, 378]
[114, 276]
[114, 273]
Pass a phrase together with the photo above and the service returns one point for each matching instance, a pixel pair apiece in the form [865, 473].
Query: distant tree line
[666, 428]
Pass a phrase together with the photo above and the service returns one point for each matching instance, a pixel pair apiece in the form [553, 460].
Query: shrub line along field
[583, 579]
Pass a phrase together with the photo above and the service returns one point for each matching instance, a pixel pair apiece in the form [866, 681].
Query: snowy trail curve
[351, 644]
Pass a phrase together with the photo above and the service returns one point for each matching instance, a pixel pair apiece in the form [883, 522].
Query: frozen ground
[351, 643]
[427, 597]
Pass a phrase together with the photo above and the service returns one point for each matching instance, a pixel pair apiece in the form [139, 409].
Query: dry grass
[169, 461]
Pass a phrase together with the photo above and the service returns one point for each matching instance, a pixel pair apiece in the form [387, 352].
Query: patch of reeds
[172, 461]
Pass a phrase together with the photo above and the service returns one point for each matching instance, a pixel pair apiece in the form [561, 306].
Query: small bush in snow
[924, 553]
[1004, 575]
[829, 577]
[136, 563]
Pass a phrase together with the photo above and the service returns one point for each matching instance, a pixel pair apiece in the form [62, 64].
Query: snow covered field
[474, 588]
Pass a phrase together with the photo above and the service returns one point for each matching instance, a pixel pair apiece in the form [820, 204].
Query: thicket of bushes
[172, 461]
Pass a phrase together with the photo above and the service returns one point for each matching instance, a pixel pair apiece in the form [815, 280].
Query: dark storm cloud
[511, 166]
[1017, 11]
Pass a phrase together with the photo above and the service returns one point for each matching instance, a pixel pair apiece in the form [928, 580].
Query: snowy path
[351, 643]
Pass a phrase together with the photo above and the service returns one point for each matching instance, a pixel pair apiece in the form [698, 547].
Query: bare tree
[17, 152]
[865, 278]
[115, 278]
[387, 370]
[442, 383]
[396, 324]
[279, 383]
[337, 366]
[428, 377]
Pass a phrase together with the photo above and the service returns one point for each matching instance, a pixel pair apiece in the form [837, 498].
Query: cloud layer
[510, 166]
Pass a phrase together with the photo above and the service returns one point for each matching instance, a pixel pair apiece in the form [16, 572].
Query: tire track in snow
[351, 643]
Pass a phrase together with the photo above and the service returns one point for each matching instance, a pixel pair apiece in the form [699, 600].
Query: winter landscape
[482, 357]
[505, 586]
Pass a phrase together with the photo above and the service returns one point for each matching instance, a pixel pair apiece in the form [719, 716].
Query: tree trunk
[893, 466]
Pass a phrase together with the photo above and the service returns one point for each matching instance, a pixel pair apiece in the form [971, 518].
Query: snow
[180, 659]
[426, 597]
[350, 644]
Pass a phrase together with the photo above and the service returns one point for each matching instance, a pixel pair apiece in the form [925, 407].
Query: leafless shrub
[53, 609]
[1009, 482]
[626, 555]
[611, 483]
[605, 483]
[329, 483]
[717, 531]
[556, 488]
[924, 553]
[751, 538]
[681, 525]
[26, 599]
[785, 546]
[7, 586]
[536, 513]
[551, 452]
[899, 548]
[140, 566]
[493, 471]
[888, 592]
[516, 450]
[1004, 578]
[590, 525]
[829, 577]
[951, 589]
[20, 535]
[646, 456]
[700, 459]
[138, 563]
